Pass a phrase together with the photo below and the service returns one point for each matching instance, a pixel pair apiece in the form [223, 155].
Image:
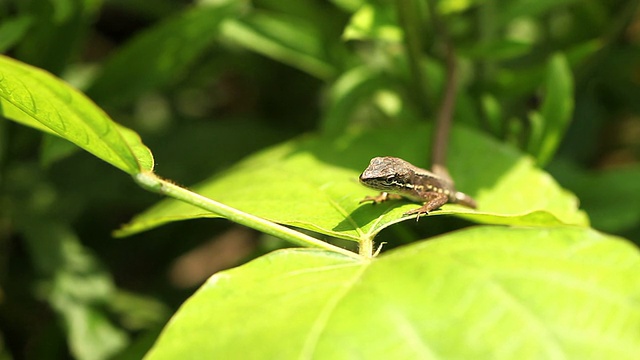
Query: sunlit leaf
[456, 6]
[36, 98]
[487, 292]
[312, 183]
[374, 21]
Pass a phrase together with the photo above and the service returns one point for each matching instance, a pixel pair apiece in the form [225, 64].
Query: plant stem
[447, 106]
[151, 182]
[365, 247]
[445, 118]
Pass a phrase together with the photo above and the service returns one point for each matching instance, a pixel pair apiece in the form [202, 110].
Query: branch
[445, 113]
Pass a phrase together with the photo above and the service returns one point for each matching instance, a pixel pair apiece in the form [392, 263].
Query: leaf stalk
[152, 182]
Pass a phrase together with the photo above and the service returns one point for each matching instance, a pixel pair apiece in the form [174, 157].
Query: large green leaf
[160, 54]
[312, 183]
[36, 98]
[483, 293]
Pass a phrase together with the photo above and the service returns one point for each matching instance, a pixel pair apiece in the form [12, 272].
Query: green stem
[153, 183]
[365, 248]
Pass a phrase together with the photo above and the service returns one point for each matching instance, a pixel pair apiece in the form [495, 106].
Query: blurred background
[206, 83]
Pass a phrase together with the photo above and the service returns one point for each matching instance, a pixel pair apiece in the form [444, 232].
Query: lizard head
[387, 173]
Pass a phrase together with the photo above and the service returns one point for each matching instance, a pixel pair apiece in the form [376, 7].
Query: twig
[447, 106]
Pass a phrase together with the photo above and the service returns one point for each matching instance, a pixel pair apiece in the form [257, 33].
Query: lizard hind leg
[435, 201]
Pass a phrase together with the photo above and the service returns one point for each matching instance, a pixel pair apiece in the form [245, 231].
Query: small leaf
[536, 130]
[557, 108]
[493, 114]
[486, 292]
[353, 88]
[374, 21]
[456, 6]
[36, 98]
[312, 183]
[581, 52]
[75, 286]
[12, 31]
[91, 335]
[288, 39]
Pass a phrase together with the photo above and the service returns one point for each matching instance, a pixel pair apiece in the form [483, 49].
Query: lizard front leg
[435, 200]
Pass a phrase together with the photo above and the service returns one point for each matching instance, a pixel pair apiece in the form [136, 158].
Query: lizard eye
[389, 180]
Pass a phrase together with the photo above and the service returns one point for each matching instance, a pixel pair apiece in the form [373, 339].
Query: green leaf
[556, 110]
[36, 98]
[457, 6]
[348, 5]
[75, 286]
[91, 335]
[290, 40]
[580, 53]
[498, 50]
[375, 21]
[312, 183]
[160, 54]
[56, 33]
[535, 121]
[355, 89]
[12, 30]
[63, 10]
[493, 113]
[611, 197]
[483, 293]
